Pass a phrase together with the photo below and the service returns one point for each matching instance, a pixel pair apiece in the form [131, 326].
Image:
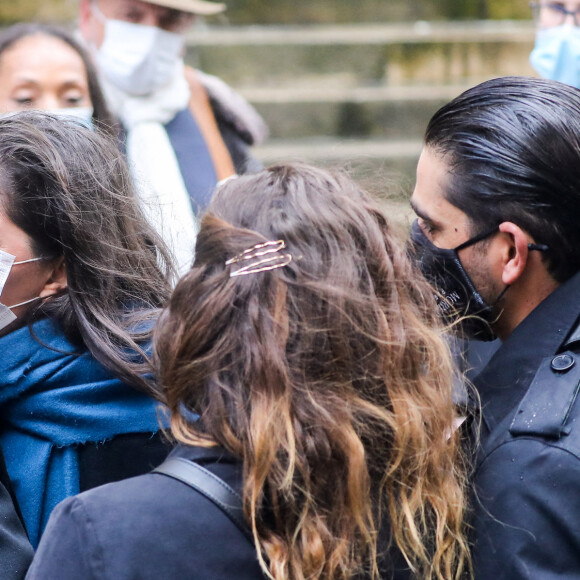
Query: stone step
[385, 168]
[298, 11]
[388, 112]
[363, 55]
[372, 161]
[304, 11]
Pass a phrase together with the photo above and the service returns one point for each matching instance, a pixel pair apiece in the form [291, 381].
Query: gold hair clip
[263, 265]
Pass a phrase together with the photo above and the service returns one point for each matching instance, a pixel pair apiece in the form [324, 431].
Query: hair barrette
[263, 264]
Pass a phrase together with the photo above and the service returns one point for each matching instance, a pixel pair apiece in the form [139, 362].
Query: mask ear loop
[26, 262]
[531, 247]
[487, 233]
[477, 238]
[30, 260]
[23, 303]
[501, 295]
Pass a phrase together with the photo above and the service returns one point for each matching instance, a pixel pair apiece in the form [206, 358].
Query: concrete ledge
[384, 167]
[334, 149]
[380, 94]
[377, 119]
[384, 33]
[350, 56]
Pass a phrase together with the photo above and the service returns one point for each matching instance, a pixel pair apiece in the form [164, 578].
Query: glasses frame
[556, 8]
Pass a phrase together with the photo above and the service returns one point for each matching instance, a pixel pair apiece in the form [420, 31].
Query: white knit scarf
[154, 165]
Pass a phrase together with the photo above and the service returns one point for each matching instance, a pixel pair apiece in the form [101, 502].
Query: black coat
[123, 456]
[126, 455]
[153, 527]
[527, 478]
[150, 527]
[15, 549]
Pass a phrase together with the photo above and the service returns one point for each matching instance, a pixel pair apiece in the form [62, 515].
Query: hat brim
[200, 7]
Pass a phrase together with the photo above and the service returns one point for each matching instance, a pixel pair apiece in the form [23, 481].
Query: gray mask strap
[25, 302]
[29, 260]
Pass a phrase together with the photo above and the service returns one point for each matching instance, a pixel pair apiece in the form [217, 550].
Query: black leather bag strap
[209, 485]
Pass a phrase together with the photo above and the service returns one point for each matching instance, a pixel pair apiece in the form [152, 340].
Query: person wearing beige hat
[184, 130]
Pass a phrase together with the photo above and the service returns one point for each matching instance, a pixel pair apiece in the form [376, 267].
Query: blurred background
[347, 82]
[304, 11]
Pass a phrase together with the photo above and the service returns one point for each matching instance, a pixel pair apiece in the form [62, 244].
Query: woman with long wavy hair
[303, 365]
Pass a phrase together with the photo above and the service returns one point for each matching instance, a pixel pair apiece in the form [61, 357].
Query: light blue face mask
[83, 115]
[556, 55]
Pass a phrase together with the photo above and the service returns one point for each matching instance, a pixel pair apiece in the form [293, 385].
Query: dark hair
[328, 377]
[69, 190]
[513, 148]
[102, 117]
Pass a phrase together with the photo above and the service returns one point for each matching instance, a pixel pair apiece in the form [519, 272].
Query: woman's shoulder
[161, 493]
[31, 353]
[40, 353]
[153, 526]
[43, 333]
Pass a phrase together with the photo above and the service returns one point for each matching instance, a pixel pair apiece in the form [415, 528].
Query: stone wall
[335, 11]
[45, 10]
[302, 11]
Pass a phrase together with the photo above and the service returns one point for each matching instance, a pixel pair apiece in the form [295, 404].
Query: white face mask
[136, 58]
[6, 263]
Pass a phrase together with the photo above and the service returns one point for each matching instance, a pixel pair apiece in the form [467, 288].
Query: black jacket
[527, 475]
[150, 527]
[15, 549]
[153, 527]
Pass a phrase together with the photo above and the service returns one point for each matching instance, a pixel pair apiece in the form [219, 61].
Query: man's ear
[56, 281]
[516, 252]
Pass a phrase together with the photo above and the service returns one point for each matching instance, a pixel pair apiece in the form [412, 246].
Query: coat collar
[506, 378]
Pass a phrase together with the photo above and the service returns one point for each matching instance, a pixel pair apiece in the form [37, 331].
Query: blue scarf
[51, 401]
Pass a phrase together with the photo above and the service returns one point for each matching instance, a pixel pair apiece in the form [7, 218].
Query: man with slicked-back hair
[498, 232]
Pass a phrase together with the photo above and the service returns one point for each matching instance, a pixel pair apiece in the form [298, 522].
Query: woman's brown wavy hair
[328, 377]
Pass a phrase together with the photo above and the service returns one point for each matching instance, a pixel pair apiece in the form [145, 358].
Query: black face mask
[457, 296]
